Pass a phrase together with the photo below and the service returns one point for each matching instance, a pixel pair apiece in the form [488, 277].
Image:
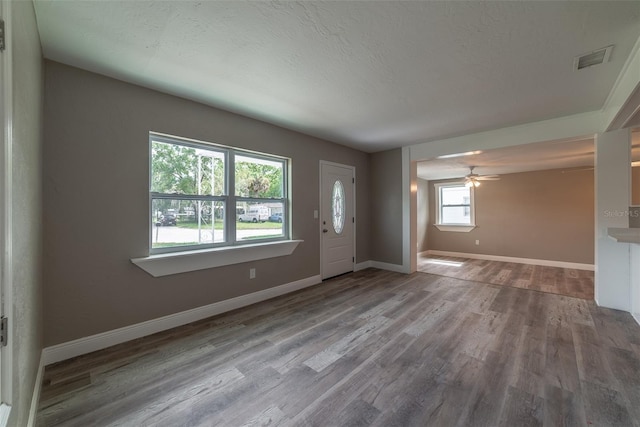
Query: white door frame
[353, 171]
[6, 221]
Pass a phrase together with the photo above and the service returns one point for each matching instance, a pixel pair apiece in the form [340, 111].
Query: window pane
[186, 222]
[186, 170]
[337, 206]
[259, 220]
[455, 195]
[256, 177]
[456, 215]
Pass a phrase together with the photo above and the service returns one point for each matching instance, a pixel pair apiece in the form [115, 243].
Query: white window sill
[453, 227]
[182, 262]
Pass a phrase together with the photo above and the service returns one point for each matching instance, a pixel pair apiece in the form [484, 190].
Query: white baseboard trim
[380, 265]
[37, 388]
[5, 411]
[543, 262]
[389, 267]
[91, 343]
[362, 266]
[636, 316]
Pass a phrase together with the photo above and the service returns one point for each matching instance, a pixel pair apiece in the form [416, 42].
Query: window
[337, 207]
[454, 207]
[205, 195]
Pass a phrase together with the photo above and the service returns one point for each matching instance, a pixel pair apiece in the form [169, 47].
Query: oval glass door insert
[337, 206]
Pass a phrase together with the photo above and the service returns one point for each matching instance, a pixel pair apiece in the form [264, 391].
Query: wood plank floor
[555, 280]
[372, 348]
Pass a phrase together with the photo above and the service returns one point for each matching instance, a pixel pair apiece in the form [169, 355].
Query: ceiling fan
[473, 179]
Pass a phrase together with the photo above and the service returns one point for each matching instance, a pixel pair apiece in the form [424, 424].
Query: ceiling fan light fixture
[471, 182]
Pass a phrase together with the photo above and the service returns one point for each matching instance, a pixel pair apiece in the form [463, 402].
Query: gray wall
[26, 323]
[612, 187]
[386, 206]
[422, 225]
[96, 203]
[635, 186]
[545, 215]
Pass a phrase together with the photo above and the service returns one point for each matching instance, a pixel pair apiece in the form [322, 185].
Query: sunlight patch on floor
[444, 262]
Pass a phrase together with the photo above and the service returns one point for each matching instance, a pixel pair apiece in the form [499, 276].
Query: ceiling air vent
[590, 59]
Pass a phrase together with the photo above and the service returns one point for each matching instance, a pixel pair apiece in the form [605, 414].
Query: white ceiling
[368, 74]
[564, 154]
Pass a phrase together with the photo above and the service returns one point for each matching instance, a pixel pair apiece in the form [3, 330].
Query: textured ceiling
[368, 74]
[522, 158]
[563, 154]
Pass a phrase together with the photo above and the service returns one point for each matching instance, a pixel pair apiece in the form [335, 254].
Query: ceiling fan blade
[488, 178]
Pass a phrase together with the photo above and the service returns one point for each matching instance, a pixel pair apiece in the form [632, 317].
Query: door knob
[324, 230]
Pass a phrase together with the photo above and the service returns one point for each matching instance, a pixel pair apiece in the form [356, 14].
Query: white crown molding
[627, 82]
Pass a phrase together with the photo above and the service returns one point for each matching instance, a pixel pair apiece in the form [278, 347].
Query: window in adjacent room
[205, 195]
[454, 207]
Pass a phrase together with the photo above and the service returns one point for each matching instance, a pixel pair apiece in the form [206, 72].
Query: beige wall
[26, 324]
[635, 186]
[96, 164]
[386, 206]
[546, 215]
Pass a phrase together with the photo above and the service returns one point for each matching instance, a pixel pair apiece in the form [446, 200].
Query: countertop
[625, 235]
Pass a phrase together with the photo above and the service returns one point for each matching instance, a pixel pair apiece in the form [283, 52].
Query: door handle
[324, 230]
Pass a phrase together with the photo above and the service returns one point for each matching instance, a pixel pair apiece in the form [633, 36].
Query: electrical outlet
[477, 242]
[252, 273]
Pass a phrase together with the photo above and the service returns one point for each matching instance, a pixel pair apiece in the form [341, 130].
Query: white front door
[6, 279]
[337, 219]
[5, 104]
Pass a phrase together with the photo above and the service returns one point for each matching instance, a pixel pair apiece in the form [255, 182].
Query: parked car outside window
[255, 215]
[276, 217]
[167, 219]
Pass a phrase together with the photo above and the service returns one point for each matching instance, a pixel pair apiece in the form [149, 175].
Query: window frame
[458, 227]
[229, 197]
